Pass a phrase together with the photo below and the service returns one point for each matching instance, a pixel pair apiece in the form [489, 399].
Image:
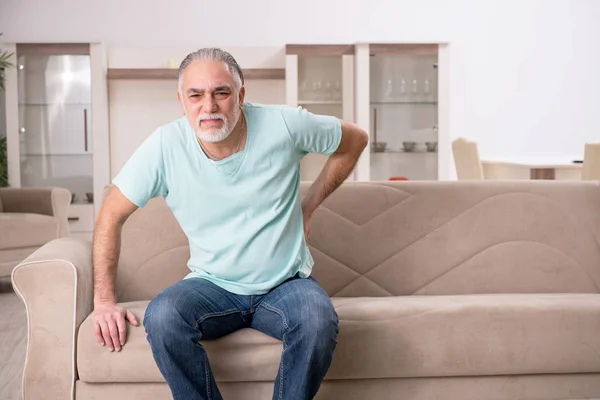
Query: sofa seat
[395, 337]
[18, 230]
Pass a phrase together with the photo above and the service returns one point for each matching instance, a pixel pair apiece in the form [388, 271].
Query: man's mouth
[210, 121]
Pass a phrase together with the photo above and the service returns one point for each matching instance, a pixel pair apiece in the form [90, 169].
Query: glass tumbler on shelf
[389, 90]
[317, 88]
[337, 90]
[303, 92]
[403, 89]
[426, 91]
[328, 90]
[415, 90]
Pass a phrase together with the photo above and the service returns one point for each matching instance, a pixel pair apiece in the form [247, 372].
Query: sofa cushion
[246, 354]
[395, 337]
[19, 230]
[373, 239]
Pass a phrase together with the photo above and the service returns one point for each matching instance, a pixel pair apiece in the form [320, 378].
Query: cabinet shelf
[88, 153]
[172, 73]
[320, 102]
[408, 153]
[56, 104]
[382, 103]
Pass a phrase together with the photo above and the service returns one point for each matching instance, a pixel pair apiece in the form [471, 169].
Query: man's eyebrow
[221, 88]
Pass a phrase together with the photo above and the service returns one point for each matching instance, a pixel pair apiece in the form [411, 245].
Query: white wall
[524, 75]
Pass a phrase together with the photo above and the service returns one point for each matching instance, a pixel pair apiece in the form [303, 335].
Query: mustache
[203, 117]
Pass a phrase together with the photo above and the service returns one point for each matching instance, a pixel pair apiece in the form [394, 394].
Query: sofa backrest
[413, 238]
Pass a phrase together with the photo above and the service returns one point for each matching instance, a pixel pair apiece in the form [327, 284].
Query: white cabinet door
[397, 99]
[48, 99]
[54, 104]
[55, 129]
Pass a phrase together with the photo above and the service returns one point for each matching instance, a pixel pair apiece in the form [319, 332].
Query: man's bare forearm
[337, 168]
[107, 244]
[334, 173]
[105, 256]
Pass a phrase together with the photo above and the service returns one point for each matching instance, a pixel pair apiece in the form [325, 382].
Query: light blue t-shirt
[242, 215]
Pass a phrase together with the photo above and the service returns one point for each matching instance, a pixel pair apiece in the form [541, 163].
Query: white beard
[217, 135]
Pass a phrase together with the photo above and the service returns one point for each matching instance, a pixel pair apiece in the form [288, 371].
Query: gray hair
[214, 54]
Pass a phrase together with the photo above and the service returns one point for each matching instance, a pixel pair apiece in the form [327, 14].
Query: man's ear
[242, 96]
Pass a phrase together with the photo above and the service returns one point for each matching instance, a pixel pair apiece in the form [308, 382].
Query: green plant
[3, 163]
[4, 64]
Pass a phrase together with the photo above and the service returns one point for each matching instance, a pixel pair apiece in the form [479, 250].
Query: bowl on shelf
[431, 146]
[408, 146]
[90, 197]
[378, 147]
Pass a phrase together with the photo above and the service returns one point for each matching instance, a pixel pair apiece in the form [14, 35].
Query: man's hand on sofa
[110, 325]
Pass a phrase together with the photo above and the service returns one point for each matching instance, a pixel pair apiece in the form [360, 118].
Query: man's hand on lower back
[110, 325]
[306, 215]
[306, 228]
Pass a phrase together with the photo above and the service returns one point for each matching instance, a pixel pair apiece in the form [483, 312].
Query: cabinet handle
[375, 126]
[85, 132]
[73, 218]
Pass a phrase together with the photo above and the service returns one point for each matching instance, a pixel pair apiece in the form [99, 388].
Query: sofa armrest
[47, 201]
[56, 285]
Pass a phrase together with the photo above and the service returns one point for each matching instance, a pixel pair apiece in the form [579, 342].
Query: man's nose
[209, 105]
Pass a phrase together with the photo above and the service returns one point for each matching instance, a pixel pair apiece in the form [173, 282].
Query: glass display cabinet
[397, 99]
[320, 78]
[57, 123]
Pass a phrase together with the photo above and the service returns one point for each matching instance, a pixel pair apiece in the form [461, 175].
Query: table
[539, 167]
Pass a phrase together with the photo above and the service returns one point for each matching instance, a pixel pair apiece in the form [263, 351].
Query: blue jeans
[298, 312]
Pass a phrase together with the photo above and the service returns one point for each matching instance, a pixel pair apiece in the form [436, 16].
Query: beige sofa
[29, 218]
[445, 290]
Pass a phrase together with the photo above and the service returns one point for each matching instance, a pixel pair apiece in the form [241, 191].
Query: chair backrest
[591, 162]
[413, 238]
[467, 160]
